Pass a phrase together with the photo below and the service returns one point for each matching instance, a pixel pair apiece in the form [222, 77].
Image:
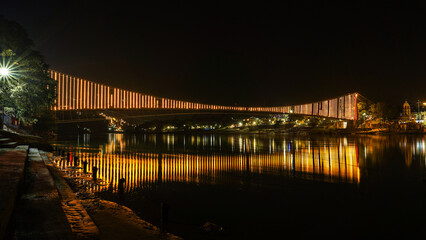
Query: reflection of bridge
[329, 161]
[78, 94]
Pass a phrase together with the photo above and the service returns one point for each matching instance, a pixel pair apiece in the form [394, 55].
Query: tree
[45, 124]
[363, 110]
[29, 91]
[383, 111]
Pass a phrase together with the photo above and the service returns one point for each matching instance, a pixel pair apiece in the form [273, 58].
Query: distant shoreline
[289, 131]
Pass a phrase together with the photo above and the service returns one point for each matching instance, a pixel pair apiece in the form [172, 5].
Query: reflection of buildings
[411, 148]
[335, 161]
[375, 150]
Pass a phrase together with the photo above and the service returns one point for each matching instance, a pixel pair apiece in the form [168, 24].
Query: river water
[265, 186]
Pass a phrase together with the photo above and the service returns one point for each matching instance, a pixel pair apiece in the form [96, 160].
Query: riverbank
[113, 220]
[299, 131]
[38, 199]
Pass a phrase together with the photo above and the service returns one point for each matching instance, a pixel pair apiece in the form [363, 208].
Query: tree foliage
[29, 91]
[363, 110]
[383, 111]
[378, 110]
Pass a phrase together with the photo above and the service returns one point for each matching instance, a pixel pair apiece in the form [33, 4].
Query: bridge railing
[75, 93]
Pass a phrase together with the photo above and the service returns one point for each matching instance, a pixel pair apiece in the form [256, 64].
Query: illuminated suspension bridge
[74, 93]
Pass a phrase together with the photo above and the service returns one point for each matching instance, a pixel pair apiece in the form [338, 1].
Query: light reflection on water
[203, 159]
[373, 170]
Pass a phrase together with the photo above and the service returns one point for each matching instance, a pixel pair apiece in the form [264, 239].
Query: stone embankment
[37, 203]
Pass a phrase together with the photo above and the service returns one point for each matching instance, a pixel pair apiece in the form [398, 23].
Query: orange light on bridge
[75, 93]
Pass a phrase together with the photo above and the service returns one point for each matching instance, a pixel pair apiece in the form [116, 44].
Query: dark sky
[235, 52]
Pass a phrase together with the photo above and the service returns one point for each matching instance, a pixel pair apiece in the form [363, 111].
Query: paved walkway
[38, 212]
[12, 164]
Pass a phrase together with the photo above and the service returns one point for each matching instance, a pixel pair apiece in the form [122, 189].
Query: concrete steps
[7, 143]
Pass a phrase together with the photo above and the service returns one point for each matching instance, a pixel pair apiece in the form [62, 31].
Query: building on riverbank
[406, 115]
[410, 121]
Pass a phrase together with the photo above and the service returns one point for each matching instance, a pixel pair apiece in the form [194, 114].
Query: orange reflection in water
[335, 161]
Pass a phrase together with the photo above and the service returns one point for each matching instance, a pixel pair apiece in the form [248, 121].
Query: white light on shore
[4, 72]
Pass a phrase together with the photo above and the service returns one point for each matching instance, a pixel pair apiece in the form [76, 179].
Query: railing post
[85, 166]
[76, 161]
[121, 182]
[94, 173]
[164, 217]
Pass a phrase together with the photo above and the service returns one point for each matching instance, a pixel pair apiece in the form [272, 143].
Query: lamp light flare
[4, 72]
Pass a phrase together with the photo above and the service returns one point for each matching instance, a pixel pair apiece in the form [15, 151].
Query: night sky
[250, 54]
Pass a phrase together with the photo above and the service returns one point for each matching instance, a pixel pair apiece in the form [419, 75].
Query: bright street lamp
[4, 72]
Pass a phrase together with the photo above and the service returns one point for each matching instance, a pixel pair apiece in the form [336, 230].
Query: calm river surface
[266, 186]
